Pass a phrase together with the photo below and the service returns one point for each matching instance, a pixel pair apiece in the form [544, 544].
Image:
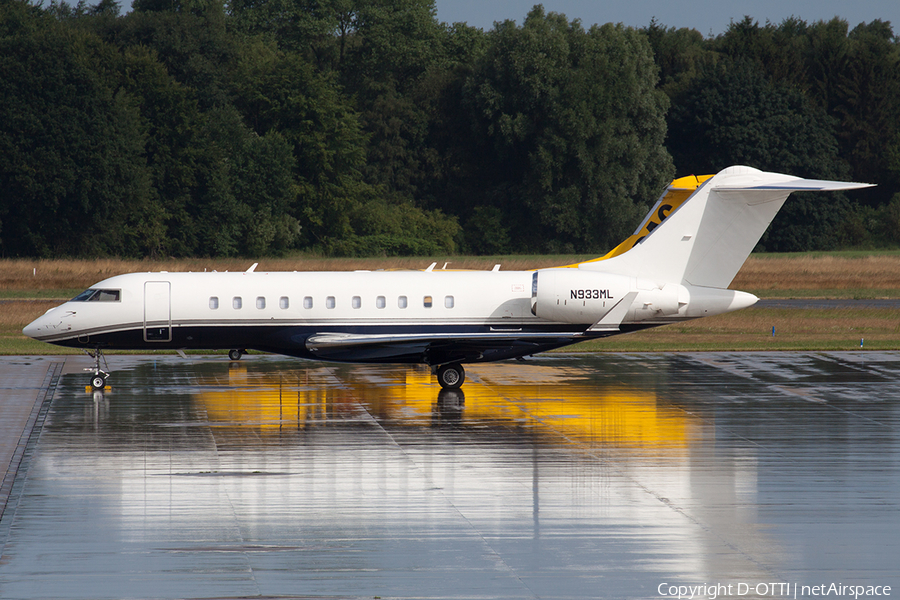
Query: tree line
[368, 127]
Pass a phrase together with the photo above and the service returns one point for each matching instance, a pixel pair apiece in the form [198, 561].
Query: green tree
[679, 54]
[320, 30]
[570, 128]
[73, 178]
[868, 110]
[283, 92]
[732, 114]
[189, 37]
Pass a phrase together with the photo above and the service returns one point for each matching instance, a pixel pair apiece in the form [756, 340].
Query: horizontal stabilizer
[794, 185]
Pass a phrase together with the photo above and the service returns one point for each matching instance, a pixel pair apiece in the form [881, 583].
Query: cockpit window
[84, 296]
[92, 295]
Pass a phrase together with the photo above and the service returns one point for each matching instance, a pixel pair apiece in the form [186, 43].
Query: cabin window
[329, 302]
[448, 301]
[307, 302]
[237, 302]
[284, 302]
[214, 302]
[427, 301]
[356, 302]
[401, 301]
[260, 302]
[98, 296]
[379, 302]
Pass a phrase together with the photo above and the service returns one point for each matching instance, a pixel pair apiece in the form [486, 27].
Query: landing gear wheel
[98, 377]
[451, 376]
[235, 354]
[98, 382]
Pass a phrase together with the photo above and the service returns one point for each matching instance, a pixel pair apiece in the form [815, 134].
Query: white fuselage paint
[478, 298]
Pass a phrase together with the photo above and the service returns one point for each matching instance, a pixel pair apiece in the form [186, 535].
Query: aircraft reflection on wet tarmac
[566, 477]
[559, 404]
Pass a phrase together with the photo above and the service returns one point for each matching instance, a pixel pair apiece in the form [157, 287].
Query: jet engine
[584, 297]
[575, 296]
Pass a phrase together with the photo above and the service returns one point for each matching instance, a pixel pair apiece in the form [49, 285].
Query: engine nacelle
[584, 297]
[576, 296]
[658, 302]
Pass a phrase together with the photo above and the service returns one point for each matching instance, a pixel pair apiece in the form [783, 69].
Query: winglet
[252, 268]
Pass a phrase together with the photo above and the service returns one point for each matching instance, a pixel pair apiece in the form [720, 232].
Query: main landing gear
[451, 376]
[98, 379]
[236, 353]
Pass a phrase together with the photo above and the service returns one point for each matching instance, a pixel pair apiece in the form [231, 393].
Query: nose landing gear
[98, 379]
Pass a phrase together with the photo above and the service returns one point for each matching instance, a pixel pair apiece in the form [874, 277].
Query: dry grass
[15, 314]
[767, 274]
[802, 272]
[751, 329]
[30, 275]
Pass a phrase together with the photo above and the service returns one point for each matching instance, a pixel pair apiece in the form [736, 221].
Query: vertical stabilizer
[706, 239]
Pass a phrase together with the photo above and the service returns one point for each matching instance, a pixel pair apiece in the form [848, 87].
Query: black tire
[235, 354]
[451, 376]
[98, 382]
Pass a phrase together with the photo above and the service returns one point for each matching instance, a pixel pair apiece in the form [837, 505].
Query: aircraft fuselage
[433, 317]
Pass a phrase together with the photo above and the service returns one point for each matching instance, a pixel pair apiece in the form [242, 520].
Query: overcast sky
[706, 16]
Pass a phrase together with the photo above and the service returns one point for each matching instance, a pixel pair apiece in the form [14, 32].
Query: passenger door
[157, 311]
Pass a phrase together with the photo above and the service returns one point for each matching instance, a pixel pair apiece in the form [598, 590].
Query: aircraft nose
[43, 325]
[33, 329]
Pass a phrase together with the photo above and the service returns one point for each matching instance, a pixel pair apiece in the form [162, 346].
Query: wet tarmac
[567, 476]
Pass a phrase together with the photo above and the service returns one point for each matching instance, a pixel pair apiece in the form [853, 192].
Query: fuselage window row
[356, 302]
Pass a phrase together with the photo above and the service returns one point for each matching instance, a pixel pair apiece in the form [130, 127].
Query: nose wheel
[99, 376]
[236, 353]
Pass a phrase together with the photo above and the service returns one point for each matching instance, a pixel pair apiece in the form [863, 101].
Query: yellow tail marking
[678, 191]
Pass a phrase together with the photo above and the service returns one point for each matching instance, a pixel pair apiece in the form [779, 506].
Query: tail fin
[707, 235]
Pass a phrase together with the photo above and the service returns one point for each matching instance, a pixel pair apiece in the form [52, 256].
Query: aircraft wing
[438, 347]
[324, 341]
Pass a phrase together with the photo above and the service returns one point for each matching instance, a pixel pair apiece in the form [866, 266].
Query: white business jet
[675, 267]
